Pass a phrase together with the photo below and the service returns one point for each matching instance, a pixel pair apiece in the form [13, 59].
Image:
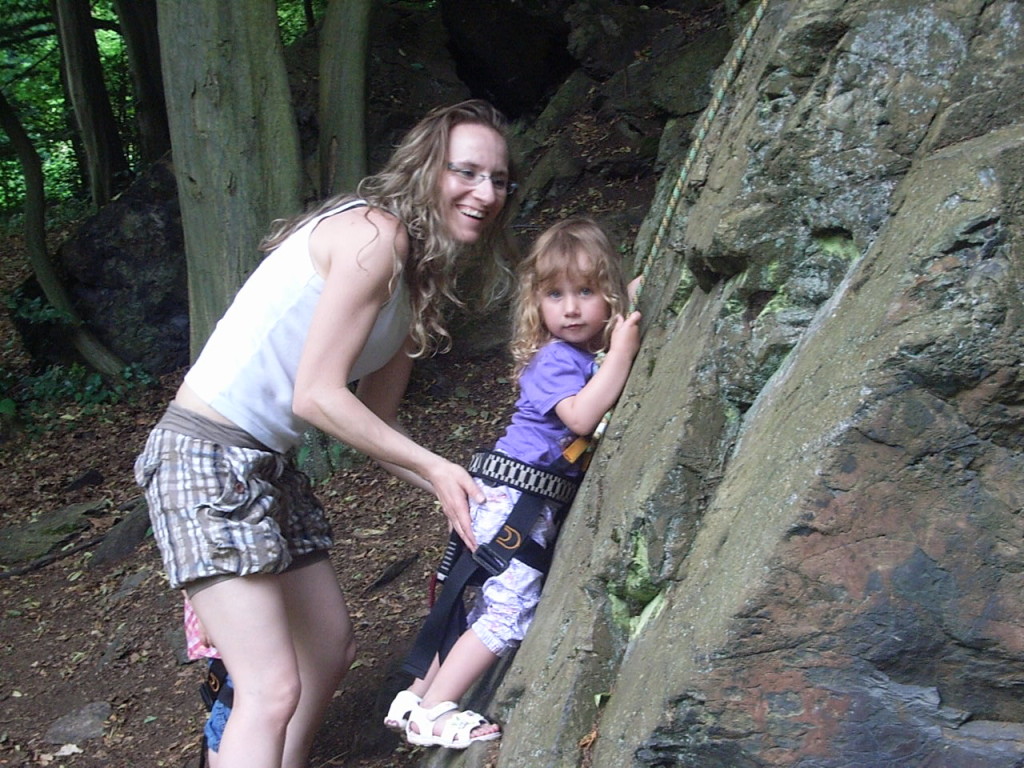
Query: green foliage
[35, 398]
[36, 310]
[320, 455]
[61, 384]
[291, 18]
[117, 75]
[30, 79]
[42, 398]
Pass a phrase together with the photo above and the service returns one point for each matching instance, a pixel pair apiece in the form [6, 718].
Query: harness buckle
[488, 560]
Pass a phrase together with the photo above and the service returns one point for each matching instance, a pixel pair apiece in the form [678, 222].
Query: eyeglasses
[471, 178]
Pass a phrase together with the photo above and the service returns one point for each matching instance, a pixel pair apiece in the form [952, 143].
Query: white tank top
[246, 371]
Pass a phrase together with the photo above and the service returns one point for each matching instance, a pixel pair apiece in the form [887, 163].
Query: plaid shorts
[220, 510]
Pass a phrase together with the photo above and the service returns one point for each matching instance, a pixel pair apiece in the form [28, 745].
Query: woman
[349, 292]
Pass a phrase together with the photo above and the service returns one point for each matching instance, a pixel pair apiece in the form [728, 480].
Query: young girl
[351, 291]
[570, 306]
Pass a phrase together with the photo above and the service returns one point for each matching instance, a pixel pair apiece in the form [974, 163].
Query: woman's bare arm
[354, 254]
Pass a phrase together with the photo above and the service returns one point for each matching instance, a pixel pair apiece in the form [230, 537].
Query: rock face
[126, 271]
[800, 542]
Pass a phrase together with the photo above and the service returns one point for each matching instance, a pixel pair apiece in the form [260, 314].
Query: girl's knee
[499, 639]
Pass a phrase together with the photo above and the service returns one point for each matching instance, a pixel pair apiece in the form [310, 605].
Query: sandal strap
[401, 707]
[456, 733]
[402, 703]
[458, 729]
[437, 710]
[470, 716]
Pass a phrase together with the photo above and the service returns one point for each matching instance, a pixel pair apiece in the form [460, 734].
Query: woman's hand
[454, 487]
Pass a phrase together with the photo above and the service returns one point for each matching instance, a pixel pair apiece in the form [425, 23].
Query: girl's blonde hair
[557, 252]
[408, 187]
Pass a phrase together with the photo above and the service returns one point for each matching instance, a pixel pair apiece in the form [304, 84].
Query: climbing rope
[587, 445]
[717, 97]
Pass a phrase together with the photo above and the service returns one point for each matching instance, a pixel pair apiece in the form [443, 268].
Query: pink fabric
[194, 645]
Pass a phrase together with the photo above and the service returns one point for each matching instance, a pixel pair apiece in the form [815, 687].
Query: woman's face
[474, 184]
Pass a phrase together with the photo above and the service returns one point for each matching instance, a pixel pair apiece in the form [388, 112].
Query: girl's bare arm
[583, 411]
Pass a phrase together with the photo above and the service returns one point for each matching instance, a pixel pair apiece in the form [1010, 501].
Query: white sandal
[398, 713]
[457, 730]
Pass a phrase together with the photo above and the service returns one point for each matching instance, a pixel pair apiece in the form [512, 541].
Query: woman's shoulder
[364, 230]
[361, 216]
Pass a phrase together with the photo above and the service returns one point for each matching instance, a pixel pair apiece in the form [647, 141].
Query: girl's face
[573, 308]
[474, 185]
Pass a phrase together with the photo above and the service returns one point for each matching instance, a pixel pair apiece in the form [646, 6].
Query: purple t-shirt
[536, 435]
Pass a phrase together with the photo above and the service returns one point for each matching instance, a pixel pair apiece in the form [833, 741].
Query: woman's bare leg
[322, 636]
[248, 623]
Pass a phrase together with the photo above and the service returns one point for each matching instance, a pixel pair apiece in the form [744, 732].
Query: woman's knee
[341, 644]
[271, 698]
[334, 651]
[348, 650]
[344, 655]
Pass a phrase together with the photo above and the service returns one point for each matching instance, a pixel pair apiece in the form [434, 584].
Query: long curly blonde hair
[557, 252]
[408, 187]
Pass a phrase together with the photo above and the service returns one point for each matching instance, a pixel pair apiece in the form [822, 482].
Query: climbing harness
[461, 568]
[215, 689]
[587, 445]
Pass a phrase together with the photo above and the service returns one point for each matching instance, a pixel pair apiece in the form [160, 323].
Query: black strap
[215, 687]
[495, 555]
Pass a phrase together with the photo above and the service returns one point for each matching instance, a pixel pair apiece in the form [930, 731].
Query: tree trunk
[94, 353]
[139, 29]
[342, 110]
[234, 141]
[106, 164]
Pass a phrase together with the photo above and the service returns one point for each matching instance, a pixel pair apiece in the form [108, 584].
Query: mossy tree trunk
[234, 141]
[343, 48]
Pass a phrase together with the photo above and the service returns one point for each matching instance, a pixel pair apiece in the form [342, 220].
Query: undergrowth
[35, 399]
